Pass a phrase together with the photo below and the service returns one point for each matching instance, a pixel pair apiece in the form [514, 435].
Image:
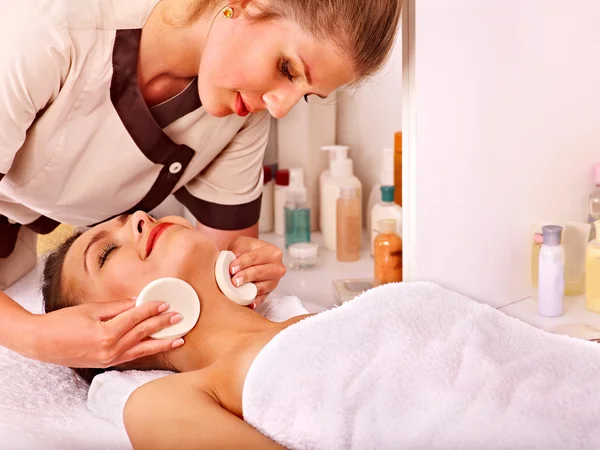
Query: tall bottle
[297, 212]
[349, 226]
[386, 178]
[594, 199]
[388, 254]
[385, 209]
[265, 221]
[592, 272]
[340, 174]
[282, 181]
[551, 282]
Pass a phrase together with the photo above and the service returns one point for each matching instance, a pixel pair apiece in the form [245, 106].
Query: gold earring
[228, 12]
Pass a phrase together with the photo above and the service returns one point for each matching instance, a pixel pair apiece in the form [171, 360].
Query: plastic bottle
[282, 180]
[398, 166]
[538, 239]
[594, 199]
[297, 212]
[551, 283]
[388, 253]
[340, 174]
[265, 221]
[592, 272]
[349, 226]
[386, 178]
[385, 209]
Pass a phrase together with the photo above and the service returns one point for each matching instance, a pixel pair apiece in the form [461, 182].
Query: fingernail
[253, 306]
[176, 319]
[235, 270]
[163, 307]
[177, 343]
[238, 281]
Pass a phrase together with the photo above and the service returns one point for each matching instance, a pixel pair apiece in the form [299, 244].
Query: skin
[202, 406]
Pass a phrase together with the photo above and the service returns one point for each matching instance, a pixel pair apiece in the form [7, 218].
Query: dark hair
[364, 30]
[57, 296]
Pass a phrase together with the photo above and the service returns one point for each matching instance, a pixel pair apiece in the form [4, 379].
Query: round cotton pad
[183, 299]
[243, 295]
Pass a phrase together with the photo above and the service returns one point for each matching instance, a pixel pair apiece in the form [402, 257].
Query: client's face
[116, 259]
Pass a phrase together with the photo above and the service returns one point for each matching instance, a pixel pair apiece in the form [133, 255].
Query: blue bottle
[297, 212]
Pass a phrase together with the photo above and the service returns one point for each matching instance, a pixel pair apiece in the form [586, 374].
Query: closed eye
[105, 253]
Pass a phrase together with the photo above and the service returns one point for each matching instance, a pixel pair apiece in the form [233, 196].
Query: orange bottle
[398, 167]
[387, 254]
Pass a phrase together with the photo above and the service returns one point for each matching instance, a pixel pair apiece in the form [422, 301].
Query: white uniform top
[78, 144]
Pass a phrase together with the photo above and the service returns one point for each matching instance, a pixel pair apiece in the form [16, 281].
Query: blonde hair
[364, 30]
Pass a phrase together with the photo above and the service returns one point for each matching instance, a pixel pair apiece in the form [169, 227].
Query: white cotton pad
[183, 299]
[243, 295]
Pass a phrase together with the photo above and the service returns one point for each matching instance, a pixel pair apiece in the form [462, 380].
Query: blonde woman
[110, 106]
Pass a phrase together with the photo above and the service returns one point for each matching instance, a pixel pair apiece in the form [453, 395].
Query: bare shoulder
[227, 376]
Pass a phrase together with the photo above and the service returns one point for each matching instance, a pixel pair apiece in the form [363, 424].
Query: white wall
[504, 99]
[368, 117]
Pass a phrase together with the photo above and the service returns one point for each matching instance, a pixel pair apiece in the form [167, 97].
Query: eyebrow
[97, 237]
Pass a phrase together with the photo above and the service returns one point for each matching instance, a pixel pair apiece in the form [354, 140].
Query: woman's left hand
[256, 262]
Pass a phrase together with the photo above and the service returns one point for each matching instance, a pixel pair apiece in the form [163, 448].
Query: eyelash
[285, 71]
[104, 254]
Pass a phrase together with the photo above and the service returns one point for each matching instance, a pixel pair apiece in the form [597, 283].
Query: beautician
[110, 106]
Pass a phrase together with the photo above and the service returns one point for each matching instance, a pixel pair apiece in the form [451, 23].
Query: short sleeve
[34, 61]
[227, 194]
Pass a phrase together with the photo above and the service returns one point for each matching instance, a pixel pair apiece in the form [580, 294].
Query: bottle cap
[386, 226]
[552, 235]
[387, 193]
[348, 192]
[387, 167]
[304, 250]
[282, 177]
[268, 174]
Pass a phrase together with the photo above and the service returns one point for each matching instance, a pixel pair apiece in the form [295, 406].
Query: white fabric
[109, 391]
[43, 406]
[414, 365]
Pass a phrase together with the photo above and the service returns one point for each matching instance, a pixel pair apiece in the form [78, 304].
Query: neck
[168, 47]
[223, 326]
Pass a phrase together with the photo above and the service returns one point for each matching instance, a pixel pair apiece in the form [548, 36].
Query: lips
[241, 109]
[154, 235]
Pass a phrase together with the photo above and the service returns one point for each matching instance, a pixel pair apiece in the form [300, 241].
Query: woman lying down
[403, 365]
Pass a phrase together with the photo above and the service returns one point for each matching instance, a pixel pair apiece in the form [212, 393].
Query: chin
[217, 111]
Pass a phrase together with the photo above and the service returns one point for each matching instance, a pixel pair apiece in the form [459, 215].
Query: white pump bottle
[340, 174]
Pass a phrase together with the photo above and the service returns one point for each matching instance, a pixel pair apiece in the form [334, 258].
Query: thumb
[109, 310]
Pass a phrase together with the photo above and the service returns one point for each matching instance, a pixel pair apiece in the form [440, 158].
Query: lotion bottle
[592, 272]
[386, 178]
[385, 209]
[349, 226]
[551, 280]
[340, 175]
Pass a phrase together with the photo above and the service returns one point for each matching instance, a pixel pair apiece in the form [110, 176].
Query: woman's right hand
[101, 335]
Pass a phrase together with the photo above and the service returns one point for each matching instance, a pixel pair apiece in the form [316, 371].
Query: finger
[257, 301]
[262, 255]
[145, 329]
[244, 244]
[254, 274]
[125, 322]
[147, 348]
[108, 310]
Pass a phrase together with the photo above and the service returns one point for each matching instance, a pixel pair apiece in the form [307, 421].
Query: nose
[280, 102]
[139, 223]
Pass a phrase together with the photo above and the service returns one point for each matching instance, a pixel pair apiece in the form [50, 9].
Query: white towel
[43, 406]
[413, 365]
[109, 391]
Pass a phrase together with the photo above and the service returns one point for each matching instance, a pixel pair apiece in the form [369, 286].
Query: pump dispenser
[340, 174]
